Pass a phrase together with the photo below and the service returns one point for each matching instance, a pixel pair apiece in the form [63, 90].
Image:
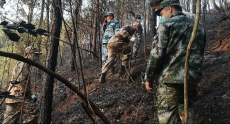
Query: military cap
[33, 50]
[155, 2]
[166, 3]
[109, 13]
[137, 16]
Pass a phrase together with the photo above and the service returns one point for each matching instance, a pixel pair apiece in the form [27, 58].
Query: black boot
[112, 71]
[122, 70]
[102, 78]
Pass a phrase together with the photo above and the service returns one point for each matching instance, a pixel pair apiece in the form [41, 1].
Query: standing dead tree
[51, 62]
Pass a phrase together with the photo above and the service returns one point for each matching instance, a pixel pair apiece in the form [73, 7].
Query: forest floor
[127, 101]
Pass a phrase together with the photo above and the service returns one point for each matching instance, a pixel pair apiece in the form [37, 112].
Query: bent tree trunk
[51, 62]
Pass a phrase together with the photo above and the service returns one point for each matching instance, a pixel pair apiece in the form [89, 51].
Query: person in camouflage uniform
[13, 106]
[110, 27]
[137, 37]
[167, 60]
[119, 44]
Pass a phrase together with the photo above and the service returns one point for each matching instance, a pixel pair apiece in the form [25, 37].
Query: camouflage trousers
[105, 54]
[114, 50]
[13, 112]
[170, 99]
[136, 47]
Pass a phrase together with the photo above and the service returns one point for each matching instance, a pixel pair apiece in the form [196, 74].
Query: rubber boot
[112, 71]
[102, 78]
[122, 70]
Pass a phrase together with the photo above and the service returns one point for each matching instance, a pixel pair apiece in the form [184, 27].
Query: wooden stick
[187, 61]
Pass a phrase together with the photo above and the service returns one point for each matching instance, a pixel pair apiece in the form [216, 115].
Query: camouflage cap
[155, 2]
[166, 3]
[137, 16]
[33, 50]
[109, 13]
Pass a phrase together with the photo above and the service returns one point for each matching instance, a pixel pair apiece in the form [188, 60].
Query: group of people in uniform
[166, 62]
[165, 67]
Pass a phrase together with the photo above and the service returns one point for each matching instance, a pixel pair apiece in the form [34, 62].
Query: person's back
[180, 28]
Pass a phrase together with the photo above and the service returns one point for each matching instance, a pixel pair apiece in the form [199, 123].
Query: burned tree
[51, 62]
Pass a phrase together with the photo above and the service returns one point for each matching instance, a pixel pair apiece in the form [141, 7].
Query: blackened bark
[51, 62]
[74, 53]
[153, 20]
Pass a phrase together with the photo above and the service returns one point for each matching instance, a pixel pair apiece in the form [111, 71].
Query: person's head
[33, 53]
[109, 16]
[168, 8]
[136, 25]
[155, 4]
[137, 17]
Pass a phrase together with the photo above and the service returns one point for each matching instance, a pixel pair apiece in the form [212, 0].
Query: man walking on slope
[13, 107]
[119, 44]
[167, 60]
[110, 28]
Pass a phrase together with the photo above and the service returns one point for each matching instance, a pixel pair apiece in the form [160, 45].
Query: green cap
[166, 3]
[155, 2]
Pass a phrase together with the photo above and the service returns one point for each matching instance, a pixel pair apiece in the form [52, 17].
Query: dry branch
[63, 80]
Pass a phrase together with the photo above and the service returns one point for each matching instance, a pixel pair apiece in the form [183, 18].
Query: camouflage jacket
[19, 89]
[139, 33]
[110, 29]
[124, 34]
[167, 57]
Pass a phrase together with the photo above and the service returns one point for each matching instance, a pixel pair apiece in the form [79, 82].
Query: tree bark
[94, 50]
[51, 62]
[144, 29]
[153, 20]
[194, 6]
[77, 5]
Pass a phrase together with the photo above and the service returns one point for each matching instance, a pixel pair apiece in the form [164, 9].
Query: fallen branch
[63, 80]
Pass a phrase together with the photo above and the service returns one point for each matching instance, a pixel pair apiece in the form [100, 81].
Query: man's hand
[105, 22]
[149, 86]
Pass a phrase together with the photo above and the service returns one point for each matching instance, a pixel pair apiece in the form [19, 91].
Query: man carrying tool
[119, 44]
[137, 37]
[167, 59]
[21, 74]
[110, 28]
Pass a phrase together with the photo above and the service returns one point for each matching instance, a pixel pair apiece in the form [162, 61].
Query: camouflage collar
[176, 14]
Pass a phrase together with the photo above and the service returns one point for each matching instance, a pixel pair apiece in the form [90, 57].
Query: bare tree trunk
[144, 29]
[77, 5]
[153, 20]
[94, 50]
[46, 109]
[194, 6]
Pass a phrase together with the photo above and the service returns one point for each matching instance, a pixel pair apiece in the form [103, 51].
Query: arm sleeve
[104, 28]
[159, 47]
[117, 27]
